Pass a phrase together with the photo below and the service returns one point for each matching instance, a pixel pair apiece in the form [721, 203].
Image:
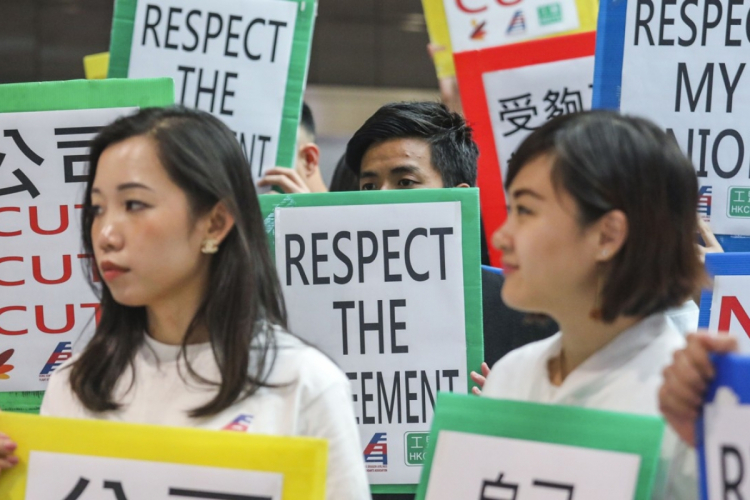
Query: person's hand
[7, 458]
[712, 245]
[286, 179]
[479, 379]
[686, 380]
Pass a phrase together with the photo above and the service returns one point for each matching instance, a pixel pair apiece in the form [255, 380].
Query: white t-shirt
[684, 317]
[623, 376]
[314, 401]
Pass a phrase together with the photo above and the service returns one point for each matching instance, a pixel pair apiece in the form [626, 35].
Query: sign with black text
[489, 449]
[386, 284]
[245, 61]
[46, 303]
[683, 65]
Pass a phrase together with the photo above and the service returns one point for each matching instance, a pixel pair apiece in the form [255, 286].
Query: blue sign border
[721, 264]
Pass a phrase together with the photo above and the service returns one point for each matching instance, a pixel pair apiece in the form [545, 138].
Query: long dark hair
[607, 161]
[243, 298]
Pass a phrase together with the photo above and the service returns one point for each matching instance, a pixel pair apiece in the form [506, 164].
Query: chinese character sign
[244, 61]
[79, 477]
[517, 455]
[47, 307]
[520, 100]
[685, 67]
[374, 285]
[47, 304]
[72, 459]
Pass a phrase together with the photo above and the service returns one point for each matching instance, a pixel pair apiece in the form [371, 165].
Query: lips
[111, 271]
[509, 268]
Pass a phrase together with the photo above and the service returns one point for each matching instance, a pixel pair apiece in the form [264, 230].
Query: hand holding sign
[686, 380]
[7, 458]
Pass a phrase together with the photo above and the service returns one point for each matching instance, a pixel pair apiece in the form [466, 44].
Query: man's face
[399, 164]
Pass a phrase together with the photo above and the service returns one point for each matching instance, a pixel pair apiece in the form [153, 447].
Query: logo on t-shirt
[62, 352]
[239, 424]
[376, 453]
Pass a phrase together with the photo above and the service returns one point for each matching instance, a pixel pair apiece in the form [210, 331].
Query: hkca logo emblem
[62, 352]
[376, 453]
[4, 369]
[239, 424]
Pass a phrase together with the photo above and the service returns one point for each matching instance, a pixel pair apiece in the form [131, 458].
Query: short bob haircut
[606, 162]
[201, 156]
[452, 149]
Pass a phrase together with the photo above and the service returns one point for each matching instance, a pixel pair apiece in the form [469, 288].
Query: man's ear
[220, 222]
[462, 185]
[613, 233]
[310, 156]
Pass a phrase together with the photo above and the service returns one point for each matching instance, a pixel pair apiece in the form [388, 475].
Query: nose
[501, 237]
[107, 236]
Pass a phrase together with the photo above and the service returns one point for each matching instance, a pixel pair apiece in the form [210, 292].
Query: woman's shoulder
[520, 366]
[302, 364]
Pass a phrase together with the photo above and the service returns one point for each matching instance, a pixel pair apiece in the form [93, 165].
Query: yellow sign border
[302, 460]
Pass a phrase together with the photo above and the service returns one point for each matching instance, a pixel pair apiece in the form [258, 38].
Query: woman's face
[146, 242]
[548, 258]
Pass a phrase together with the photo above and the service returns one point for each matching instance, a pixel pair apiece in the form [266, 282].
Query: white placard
[410, 295]
[46, 305]
[479, 24]
[523, 99]
[471, 466]
[725, 446]
[62, 475]
[730, 307]
[689, 74]
[229, 57]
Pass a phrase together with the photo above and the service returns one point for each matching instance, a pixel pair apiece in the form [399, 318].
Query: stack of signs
[723, 433]
[516, 454]
[683, 65]
[245, 61]
[46, 303]
[725, 306]
[388, 285]
[99, 459]
[511, 90]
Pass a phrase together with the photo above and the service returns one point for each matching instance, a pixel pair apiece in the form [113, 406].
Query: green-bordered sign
[245, 61]
[388, 285]
[484, 449]
[46, 305]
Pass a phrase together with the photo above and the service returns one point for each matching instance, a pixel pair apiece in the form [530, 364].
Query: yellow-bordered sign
[302, 461]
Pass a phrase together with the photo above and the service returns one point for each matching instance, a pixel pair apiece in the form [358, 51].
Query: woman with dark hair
[193, 324]
[600, 236]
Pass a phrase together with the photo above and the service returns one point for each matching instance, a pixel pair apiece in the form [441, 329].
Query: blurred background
[364, 53]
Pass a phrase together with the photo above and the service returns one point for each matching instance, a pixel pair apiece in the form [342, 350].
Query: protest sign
[388, 285]
[245, 61]
[509, 91]
[480, 24]
[66, 458]
[723, 433]
[46, 304]
[683, 66]
[511, 450]
[725, 306]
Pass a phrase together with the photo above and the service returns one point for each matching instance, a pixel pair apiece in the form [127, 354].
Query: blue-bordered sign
[684, 66]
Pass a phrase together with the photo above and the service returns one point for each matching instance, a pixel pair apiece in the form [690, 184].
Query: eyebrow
[125, 187]
[526, 192]
[405, 169]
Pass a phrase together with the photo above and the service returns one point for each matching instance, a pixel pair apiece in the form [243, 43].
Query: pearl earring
[210, 246]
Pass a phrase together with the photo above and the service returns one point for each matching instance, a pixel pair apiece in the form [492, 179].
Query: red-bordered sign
[470, 68]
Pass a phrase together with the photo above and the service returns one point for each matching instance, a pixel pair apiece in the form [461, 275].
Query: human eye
[135, 205]
[406, 183]
[367, 186]
[95, 210]
[522, 210]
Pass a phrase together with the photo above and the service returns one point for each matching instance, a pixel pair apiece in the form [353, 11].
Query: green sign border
[469, 199]
[73, 95]
[123, 24]
[568, 425]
